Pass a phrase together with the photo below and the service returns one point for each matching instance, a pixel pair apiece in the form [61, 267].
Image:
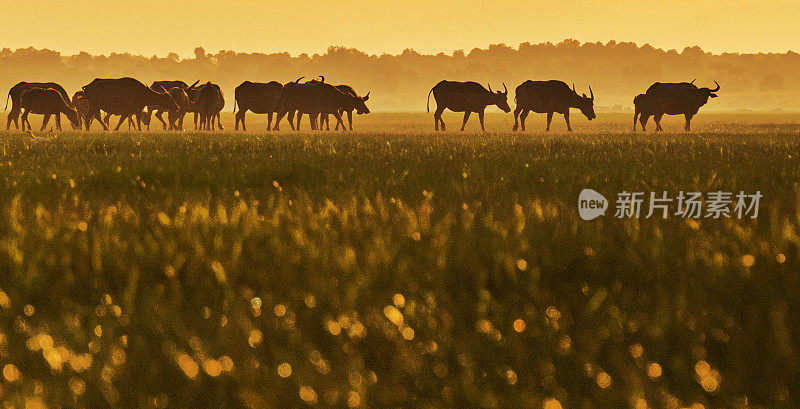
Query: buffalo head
[586, 104]
[500, 98]
[74, 118]
[361, 107]
[705, 93]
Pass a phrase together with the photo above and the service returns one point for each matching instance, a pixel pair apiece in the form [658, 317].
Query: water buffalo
[167, 85]
[294, 99]
[47, 102]
[85, 113]
[466, 97]
[210, 101]
[259, 97]
[123, 96]
[550, 97]
[354, 103]
[16, 91]
[681, 98]
[320, 100]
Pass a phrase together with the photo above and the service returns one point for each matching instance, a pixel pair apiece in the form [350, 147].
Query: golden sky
[161, 26]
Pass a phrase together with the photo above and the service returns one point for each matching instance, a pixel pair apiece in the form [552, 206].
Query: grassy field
[394, 267]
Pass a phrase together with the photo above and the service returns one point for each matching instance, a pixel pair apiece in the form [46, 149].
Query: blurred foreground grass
[394, 270]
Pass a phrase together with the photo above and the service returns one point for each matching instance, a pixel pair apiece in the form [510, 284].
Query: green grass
[389, 269]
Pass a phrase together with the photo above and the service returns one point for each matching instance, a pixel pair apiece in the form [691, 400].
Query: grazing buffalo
[550, 97]
[466, 97]
[167, 85]
[123, 96]
[16, 91]
[210, 101]
[46, 101]
[675, 98]
[259, 97]
[355, 103]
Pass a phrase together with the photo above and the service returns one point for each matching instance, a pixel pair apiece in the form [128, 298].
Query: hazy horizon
[154, 27]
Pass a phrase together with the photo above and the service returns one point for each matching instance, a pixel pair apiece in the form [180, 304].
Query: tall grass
[394, 270]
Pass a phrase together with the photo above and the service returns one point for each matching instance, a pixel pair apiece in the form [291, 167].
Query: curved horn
[591, 93]
[490, 87]
[693, 81]
[322, 77]
[195, 83]
[573, 88]
[505, 88]
[298, 80]
[715, 89]
[367, 96]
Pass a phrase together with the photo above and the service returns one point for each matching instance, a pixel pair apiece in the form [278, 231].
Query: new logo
[591, 204]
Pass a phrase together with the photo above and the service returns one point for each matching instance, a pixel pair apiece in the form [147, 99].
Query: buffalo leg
[517, 111]
[219, 121]
[13, 115]
[24, 118]
[480, 118]
[100, 119]
[437, 118]
[657, 118]
[338, 117]
[160, 117]
[290, 118]
[341, 121]
[549, 120]
[522, 117]
[239, 118]
[44, 122]
[269, 120]
[566, 119]
[119, 124]
[299, 116]
[643, 121]
[688, 126]
[58, 122]
[349, 119]
[466, 118]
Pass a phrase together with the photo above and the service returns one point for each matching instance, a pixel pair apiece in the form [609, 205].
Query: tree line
[617, 71]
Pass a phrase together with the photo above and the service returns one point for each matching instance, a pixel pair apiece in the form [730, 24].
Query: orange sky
[158, 27]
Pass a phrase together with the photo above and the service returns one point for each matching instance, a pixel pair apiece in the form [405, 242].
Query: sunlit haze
[157, 27]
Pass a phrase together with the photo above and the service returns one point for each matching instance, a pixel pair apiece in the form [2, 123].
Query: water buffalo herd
[131, 99]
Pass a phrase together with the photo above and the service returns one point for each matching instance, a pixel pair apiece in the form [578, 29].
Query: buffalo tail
[429, 99]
